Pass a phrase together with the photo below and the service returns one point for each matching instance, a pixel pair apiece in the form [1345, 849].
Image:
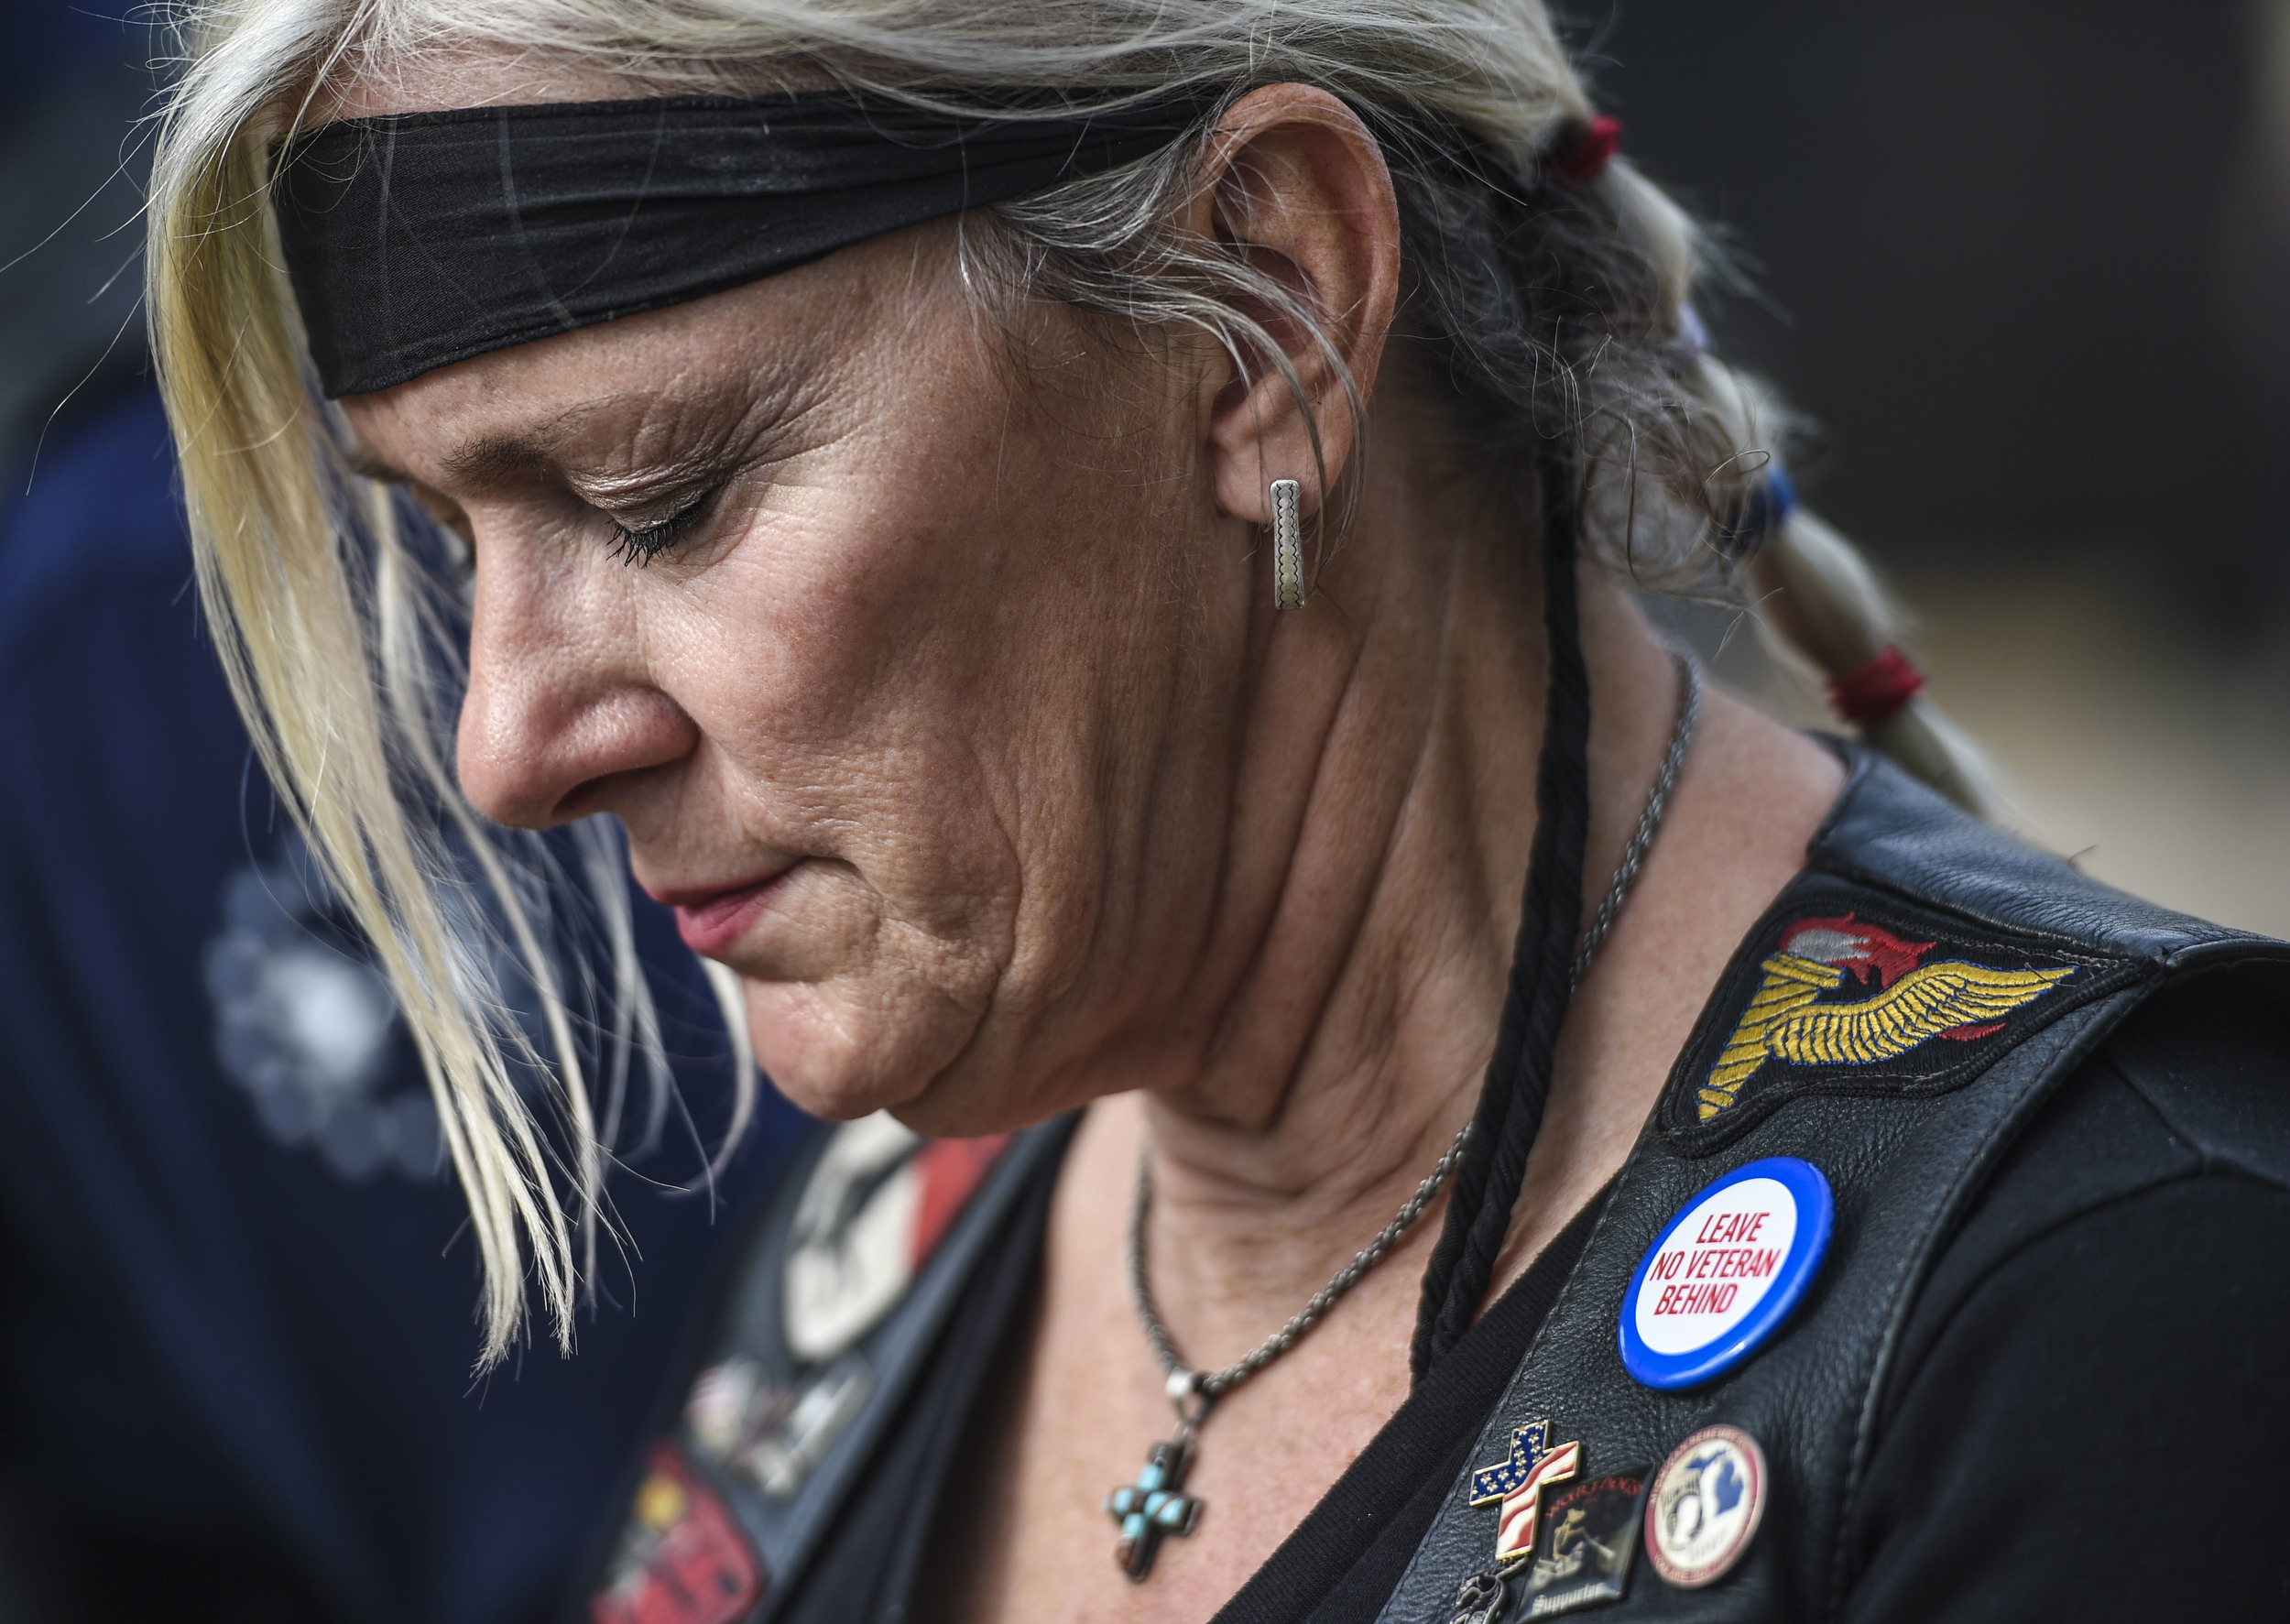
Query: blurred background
[2026, 271]
[73, 76]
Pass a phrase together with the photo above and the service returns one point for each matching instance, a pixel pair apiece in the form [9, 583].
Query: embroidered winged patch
[1786, 1020]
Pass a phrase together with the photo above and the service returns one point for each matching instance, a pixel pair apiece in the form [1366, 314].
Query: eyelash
[643, 545]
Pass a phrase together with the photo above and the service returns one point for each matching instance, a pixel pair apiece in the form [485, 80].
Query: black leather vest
[1905, 1141]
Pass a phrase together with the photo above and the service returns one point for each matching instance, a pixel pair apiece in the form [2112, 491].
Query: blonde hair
[339, 649]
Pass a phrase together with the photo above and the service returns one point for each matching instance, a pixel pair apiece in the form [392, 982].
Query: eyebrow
[489, 457]
[497, 457]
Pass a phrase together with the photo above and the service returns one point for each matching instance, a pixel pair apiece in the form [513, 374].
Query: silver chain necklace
[1155, 1505]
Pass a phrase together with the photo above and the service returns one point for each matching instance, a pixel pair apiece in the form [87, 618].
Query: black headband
[419, 239]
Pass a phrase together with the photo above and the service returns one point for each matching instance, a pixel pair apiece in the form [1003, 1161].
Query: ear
[1296, 187]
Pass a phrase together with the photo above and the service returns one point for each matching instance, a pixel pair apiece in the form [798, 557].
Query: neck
[1356, 1002]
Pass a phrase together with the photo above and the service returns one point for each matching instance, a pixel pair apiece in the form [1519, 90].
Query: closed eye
[643, 544]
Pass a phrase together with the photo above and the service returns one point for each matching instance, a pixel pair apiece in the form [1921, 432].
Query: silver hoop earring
[1288, 545]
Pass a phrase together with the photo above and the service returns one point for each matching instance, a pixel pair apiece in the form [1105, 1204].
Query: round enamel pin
[1705, 1506]
[1726, 1272]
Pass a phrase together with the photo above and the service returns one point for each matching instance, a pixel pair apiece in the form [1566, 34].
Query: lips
[712, 922]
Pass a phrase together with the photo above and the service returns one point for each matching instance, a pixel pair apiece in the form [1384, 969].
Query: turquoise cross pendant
[1154, 1506]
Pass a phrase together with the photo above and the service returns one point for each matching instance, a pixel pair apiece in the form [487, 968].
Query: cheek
[911, 660]
[854, 1044]
[843, 678]
[928, 665]
[849, 665]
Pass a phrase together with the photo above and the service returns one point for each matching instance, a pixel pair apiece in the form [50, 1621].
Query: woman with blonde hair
[1090, 549]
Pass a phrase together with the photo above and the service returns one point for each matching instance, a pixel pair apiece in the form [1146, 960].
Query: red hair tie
[1872, 695]
[1583, 154]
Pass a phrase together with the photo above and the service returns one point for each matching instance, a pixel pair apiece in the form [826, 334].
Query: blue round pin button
[1726, 1272]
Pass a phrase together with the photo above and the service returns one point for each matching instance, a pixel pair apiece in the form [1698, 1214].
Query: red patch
[950, 1170]
[683, 1559]
[1873, 948]
[1965, 1034]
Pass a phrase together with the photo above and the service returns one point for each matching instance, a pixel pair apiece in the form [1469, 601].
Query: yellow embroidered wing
[1790, 983]
[1921, 1005]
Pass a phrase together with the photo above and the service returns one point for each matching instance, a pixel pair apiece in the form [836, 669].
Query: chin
[930, 1074]
[835, 1062]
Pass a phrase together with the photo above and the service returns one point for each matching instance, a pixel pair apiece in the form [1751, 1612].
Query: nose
[563, 716]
